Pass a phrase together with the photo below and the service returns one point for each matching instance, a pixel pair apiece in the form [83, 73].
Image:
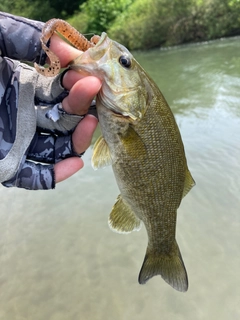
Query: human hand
[82, 91]
[68, 97]
[38, 146]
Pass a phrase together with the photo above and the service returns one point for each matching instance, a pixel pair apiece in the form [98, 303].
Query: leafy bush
[153, 23]
[130, 27]
[221, 18]
[102, 13]
[41, 10]
[146, 24]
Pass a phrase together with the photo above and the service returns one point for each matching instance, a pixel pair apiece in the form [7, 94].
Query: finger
[81, 94]
[82, 135]
[63, 50]
[66, 168]
[70, 78]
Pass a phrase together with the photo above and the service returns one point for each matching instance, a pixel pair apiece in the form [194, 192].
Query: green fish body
[142, 142]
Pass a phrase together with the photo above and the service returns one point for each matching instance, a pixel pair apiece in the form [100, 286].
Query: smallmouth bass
[142, 142]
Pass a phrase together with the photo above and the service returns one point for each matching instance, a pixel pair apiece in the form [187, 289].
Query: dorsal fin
[188, 184]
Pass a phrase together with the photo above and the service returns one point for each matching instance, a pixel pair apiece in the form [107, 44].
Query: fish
[141, 140]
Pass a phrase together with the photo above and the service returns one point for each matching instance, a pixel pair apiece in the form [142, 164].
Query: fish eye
[125, 61]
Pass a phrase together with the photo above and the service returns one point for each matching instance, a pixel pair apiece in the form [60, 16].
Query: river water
[60, 261]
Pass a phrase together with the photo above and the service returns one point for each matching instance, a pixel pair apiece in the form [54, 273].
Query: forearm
[20, 38]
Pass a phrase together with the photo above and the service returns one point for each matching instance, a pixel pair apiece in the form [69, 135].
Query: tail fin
[169, 266]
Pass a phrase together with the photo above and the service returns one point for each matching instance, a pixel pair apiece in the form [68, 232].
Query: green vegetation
[139, 23]
[96, 16]
[41, 10]
[154, 23]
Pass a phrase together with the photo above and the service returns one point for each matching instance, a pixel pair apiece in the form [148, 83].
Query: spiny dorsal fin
[188, 184]
[101, 154]
[169, 265]
[122, 219]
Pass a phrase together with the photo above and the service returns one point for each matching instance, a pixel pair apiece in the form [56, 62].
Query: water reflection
[58, 258]
[197, 76]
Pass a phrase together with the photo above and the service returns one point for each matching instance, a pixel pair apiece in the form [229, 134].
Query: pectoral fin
[133, 144]
[122, 219]
[101, 154]
[188, 184]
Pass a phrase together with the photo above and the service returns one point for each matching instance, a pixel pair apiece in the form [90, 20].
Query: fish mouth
[91, 55]
[102, 38]
[97, 52]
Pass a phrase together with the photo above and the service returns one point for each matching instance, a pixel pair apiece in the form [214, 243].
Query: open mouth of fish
[101, 39]
[110, 97]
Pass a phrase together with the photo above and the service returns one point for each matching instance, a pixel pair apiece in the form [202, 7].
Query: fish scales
[151, 185]
[142, 142]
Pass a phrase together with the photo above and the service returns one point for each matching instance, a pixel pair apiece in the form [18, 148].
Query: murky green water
[60, 261]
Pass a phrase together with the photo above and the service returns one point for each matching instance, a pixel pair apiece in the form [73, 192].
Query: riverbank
[140, 24]
[176, 23]
[147, 24]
